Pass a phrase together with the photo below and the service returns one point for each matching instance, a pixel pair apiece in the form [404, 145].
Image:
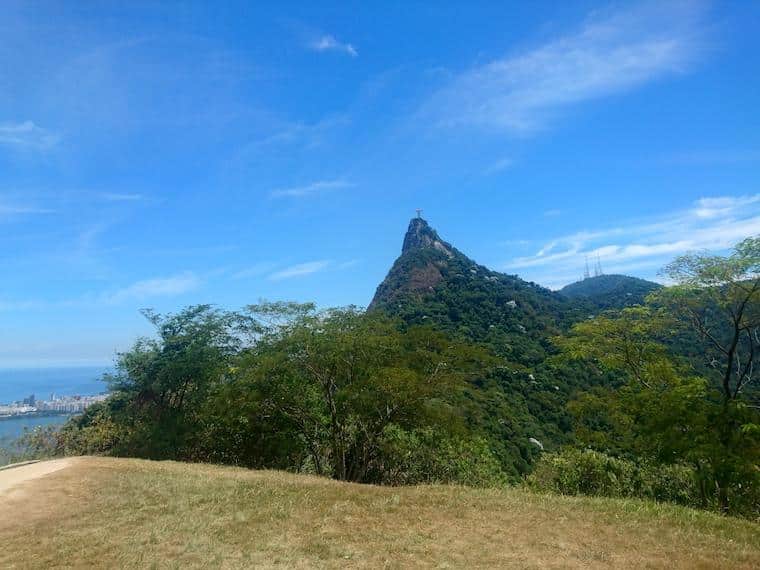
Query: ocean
[13, 428]
[17, 384]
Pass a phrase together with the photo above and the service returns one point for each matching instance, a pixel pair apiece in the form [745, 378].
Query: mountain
[610, 291]
[523, 400]
[434, 282]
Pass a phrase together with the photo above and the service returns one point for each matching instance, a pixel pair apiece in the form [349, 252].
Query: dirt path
[10, 478]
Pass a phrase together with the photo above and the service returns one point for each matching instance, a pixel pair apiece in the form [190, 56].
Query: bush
[90, 433]
[423, 456]
[576, 472]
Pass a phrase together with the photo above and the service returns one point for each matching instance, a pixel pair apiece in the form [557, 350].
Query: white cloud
[609, 54]
[300, 270]
[310, 189]
[158, 287]
[329, 43]
[27, 136]
[717, 207]
[715, 223]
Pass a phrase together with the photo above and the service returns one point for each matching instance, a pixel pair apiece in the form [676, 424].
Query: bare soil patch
[14, 476]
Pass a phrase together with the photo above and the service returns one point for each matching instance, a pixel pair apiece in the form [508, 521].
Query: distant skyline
[164, 154]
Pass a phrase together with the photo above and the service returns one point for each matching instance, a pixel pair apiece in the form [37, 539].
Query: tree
[660, 410]
[720, 298]
[338, 380]
[652, 409]
[161, 384]
[666, 409]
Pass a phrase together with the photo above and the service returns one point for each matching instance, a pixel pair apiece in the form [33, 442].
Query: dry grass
[129, 513]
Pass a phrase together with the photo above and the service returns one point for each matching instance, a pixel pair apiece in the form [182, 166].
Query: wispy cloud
[157, 287]
[14, 306]
[611, 53]
[499, 166]
[310, 189]
[300, 270]
[27, 136]
[10, 210]
[85, 252]
[715, 223]
[256, 270]
[329, 43]
[143, 290]
[307, 135]
[349, 264]
[117, 197]
[725, 206]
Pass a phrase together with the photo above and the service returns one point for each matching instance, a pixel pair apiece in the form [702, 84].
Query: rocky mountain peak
[421, 236]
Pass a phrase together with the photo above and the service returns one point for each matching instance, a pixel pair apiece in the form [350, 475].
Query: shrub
[576, 472]
[423, 456]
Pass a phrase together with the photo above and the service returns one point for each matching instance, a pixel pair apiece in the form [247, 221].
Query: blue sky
[162, 154]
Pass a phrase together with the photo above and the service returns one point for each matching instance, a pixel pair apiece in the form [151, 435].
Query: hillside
[434, 282]
[610, 291]
[131, 513]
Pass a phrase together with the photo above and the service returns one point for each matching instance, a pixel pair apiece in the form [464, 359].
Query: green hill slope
[610, 291]
[117, 513]
[434, 282]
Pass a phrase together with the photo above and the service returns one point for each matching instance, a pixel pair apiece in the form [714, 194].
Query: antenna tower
[598, 267]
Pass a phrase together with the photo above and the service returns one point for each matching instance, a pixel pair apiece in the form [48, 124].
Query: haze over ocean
[16, 384]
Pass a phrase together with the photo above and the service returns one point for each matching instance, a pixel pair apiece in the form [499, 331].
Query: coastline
[37, 414]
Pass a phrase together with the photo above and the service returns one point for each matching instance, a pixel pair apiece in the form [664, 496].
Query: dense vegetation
[672, 409]
[604, 292]
[336, 393]
[459, 374]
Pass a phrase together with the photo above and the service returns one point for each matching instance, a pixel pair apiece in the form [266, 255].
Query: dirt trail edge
[10, 478]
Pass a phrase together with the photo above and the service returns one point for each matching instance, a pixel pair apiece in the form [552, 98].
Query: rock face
[418, 269]
[420, 235]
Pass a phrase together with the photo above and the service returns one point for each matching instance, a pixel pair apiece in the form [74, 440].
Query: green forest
[457, 374]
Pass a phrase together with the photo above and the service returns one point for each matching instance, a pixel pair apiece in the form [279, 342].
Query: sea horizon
[18, 383]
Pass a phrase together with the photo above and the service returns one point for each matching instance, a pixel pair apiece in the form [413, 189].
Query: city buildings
[55, 405]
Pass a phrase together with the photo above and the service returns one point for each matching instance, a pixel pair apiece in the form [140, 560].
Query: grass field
[119, 513]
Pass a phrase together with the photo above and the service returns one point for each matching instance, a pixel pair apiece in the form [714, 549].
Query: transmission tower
[598, 267]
